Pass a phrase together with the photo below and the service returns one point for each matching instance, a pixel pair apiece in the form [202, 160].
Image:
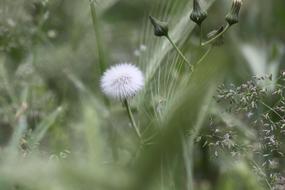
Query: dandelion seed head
[122, 81]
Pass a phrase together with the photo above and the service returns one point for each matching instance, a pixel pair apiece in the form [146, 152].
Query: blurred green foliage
[58, 131]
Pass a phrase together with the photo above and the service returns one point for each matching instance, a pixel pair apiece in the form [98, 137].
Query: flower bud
[198, 15]
[232, 16]
[160, 28]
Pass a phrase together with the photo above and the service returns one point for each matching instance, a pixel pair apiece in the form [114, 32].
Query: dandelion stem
[131, 117]
[179, 52]
[216, 37]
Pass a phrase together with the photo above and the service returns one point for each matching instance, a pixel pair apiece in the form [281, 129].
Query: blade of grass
[17, 136]
[43, 127]
[183, 117]
[99, 42]
[188, 143]
[21, 125]
[233, 121]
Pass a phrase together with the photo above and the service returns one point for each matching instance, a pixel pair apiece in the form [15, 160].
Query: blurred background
[50, 92]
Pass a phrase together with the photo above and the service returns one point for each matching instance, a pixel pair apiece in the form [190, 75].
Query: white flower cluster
[122, 81]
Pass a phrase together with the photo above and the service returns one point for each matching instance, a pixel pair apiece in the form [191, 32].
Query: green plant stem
[187, 161]
[263, 173]
[271, 109]
[179, 52]
[99, 43]
[131, 117]
[216, 37]
[201, 34]
[203, 57]
[100, 47]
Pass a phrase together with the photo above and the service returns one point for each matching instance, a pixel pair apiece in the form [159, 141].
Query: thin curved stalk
[131, 117]
[201, 34]
[179, 52]
[204, 56]
[217, 36]
[99, 43]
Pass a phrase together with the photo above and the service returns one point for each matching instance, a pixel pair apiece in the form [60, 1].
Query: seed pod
[160, 28]
[233, 16]
[198, 15]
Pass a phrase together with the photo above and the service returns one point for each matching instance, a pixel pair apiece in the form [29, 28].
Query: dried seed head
[198, 15]
[122, 81]
[233, 16]
[160, 28]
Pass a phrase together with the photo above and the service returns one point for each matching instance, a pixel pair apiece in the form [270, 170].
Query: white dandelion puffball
[122, 81]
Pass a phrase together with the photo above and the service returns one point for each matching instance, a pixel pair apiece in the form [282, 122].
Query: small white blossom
[137, 53]
[52, 34]
[122, 81]
[11, 22]
[143, 47]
